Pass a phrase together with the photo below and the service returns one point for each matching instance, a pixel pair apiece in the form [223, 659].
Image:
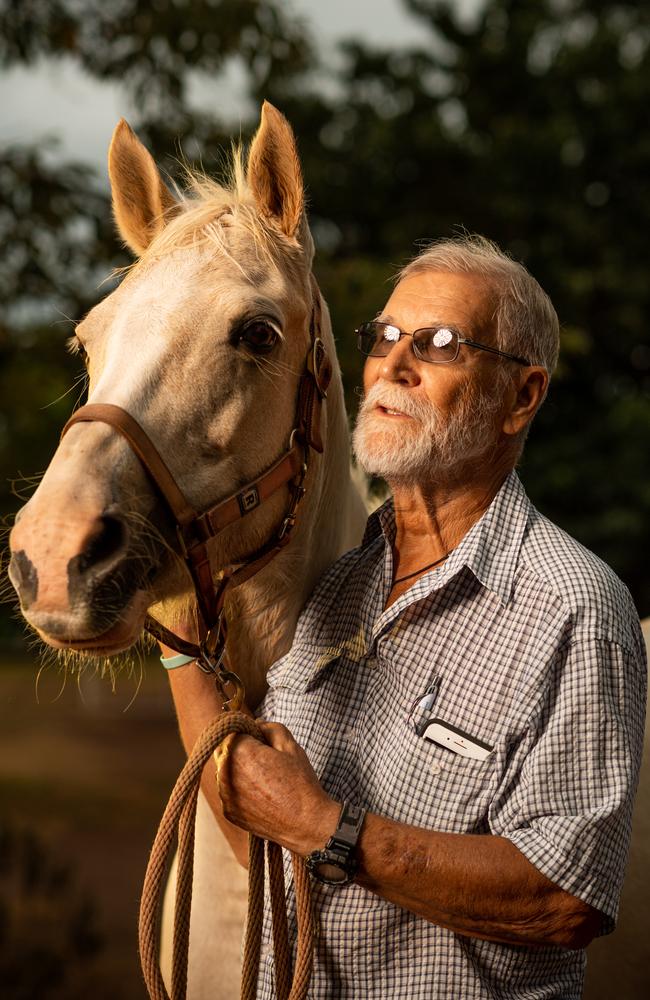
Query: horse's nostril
[108, 541]
[24, 578]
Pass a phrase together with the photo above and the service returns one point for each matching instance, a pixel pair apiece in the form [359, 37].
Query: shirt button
[436, 768]
[349, 735]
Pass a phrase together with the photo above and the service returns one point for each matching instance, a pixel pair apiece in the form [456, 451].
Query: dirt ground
[87, 777]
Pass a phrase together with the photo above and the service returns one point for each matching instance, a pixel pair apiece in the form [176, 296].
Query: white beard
[433, 443]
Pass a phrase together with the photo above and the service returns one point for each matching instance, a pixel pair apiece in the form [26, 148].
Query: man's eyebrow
[470, 330]
[391, 321]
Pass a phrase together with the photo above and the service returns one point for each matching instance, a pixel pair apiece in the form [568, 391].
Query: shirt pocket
[444, 791]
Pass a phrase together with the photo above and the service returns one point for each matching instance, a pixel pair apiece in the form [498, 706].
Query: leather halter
[194, 530]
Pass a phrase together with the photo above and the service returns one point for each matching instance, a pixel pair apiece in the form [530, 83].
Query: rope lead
[177, 824]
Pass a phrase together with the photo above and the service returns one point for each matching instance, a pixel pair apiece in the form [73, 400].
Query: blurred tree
[526, 123]
[157, 49]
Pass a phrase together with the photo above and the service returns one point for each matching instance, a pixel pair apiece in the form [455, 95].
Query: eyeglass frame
[429, 361]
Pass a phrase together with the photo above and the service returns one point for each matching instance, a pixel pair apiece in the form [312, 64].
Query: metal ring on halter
[211, 666]
[208, 663]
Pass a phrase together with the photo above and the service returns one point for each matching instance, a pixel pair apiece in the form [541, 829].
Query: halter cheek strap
[194, 530]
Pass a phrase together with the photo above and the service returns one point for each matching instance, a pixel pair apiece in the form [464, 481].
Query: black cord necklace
[400, 579]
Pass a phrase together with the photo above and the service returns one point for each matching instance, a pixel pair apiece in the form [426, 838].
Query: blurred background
[525, 120]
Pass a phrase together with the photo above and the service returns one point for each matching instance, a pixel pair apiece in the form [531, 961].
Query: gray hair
[526, 321]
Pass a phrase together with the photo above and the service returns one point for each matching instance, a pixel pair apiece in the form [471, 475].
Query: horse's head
[203, 342]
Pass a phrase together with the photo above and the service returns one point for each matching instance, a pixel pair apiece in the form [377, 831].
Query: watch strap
[338, 855]
[348, 827]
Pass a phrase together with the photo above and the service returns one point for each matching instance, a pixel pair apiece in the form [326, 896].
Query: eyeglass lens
[436, 344]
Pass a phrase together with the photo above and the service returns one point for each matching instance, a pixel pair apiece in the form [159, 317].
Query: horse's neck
[263, 612]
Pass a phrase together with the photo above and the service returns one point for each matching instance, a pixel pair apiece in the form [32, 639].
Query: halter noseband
[194, 530]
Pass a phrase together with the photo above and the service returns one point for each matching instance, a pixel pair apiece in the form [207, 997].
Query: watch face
[328, 867]
[331, 873]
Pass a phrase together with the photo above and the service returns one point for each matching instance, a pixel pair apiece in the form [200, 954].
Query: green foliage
[527, 124]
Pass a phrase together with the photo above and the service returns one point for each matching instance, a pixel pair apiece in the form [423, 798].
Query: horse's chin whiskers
[76, 663]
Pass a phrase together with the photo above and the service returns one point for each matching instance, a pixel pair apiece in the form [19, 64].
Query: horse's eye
[75, 346]
[259, 335]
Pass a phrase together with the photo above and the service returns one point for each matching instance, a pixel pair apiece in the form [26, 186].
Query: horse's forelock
[226, 219]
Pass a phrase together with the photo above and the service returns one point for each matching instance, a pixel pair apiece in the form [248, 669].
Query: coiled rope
[177, 825]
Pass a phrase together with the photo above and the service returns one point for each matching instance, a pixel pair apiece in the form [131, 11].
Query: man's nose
[400, 364]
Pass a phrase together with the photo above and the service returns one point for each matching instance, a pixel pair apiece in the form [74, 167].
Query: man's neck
[433, 517]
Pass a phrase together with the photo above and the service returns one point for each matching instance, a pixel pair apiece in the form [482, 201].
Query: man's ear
[274, 173]
[526, 398]
[142, 202]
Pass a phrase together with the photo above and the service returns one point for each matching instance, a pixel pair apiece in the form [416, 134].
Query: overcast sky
[55, 98]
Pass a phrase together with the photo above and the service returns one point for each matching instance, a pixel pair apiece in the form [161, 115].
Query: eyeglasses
[438, 345]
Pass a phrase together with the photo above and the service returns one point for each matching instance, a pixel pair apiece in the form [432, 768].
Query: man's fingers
[241, 760]
[223, 750]
[278, 736]
[235, 756]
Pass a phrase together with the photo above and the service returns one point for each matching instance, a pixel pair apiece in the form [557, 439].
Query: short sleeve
[566, 796]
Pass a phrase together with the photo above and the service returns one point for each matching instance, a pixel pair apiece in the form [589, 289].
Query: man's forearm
[197, 704]
[481, 886]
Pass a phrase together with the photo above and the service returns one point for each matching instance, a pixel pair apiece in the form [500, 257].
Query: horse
[203, 343]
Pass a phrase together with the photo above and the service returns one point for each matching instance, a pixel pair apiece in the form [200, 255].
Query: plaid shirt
[532, 645]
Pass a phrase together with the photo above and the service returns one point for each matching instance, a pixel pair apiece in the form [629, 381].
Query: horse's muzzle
[77, 580]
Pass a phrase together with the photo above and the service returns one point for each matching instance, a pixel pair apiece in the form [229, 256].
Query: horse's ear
[274, 173]
[142, 202]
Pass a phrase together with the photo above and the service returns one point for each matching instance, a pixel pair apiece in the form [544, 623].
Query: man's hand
[273, 791]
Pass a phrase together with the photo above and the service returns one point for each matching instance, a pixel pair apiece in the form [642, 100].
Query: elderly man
[457, 728]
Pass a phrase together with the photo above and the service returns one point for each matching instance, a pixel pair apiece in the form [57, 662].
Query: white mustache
[392, 398]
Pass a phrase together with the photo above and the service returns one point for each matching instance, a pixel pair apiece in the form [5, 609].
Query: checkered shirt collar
[490, 550]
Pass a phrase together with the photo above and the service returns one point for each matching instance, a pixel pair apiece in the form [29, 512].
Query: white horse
[203, 343]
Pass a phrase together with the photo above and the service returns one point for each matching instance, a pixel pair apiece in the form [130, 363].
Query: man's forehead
[433, 297]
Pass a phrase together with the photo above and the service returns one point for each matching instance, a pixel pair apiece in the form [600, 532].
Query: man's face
[421, 420]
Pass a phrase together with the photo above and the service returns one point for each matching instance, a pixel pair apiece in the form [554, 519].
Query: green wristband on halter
[171, 662]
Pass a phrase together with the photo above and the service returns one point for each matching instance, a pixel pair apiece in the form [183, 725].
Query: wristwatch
[336, 864]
